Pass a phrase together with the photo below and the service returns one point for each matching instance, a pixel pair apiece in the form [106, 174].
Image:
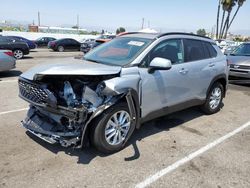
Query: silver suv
[120, 85]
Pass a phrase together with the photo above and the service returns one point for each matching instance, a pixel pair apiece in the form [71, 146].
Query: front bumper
[44, 129]
[240, 73]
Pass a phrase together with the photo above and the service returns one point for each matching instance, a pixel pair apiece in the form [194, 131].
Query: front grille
[241, 71]
[33, 92]
[240, 66]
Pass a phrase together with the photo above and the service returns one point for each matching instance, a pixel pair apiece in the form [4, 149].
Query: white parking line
[12, 111]
[7, 81]
[188, 158]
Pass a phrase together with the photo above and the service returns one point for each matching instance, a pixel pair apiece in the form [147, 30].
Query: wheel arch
[131, 97]
[222, 78]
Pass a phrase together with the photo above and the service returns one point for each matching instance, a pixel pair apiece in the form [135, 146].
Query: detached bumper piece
[49, 131]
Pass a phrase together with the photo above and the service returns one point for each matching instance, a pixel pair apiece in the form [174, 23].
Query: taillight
[9, 53]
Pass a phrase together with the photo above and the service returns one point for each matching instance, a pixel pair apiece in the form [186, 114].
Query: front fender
[132, 100]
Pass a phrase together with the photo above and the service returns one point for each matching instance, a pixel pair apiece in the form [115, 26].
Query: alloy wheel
[117, 127]
[18, 54]
[215, 98]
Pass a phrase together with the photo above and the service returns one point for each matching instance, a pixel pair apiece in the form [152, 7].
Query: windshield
[242, 50]
[119, 51]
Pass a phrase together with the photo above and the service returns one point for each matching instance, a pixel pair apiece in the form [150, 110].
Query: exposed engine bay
[62, 106]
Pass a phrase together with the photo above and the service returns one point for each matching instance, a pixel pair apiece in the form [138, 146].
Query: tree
[201, 32]
[239, 5]
[120, 30]
[218, 19]
[226, 22]
[75, 27]
[94, 33]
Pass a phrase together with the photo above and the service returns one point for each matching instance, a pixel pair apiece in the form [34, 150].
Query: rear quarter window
[211, 50]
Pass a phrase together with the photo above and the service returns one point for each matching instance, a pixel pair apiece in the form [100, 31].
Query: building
[62, 30]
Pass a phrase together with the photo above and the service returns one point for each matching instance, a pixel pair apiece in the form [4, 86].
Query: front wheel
[214, 99]
[111, 129]
[18, 54]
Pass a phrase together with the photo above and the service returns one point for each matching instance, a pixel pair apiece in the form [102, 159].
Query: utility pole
[77, 20]
[142, 26]
[38, 18]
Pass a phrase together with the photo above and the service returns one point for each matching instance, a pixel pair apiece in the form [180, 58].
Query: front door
[165, 88]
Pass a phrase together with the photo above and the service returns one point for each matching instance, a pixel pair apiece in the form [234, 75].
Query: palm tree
[227, 7]
[240, 3]
[218, 20]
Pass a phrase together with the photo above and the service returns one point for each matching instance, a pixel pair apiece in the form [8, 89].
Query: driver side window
[169, 49]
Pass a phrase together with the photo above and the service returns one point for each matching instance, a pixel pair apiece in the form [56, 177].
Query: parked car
[120, 85]
[61, 45]
[106, 36]
[17, 47]
[239, 61]
[87, 40]
[43, 41]
[226, 46]
[87, 46]
[229, 49]
[7, 60]
[30, 43]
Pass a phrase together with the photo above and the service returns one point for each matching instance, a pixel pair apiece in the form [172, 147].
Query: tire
[102, 125]
[60, 49]
[18, 54]
[214, 99]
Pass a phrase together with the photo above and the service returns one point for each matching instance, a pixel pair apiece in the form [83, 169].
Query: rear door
[74, 44]
[201, 66]
[67, 43]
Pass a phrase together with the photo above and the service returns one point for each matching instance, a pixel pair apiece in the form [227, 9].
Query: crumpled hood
[71, 66]
[240, 60]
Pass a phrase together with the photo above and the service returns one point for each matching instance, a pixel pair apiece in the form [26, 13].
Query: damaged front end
[61, 107]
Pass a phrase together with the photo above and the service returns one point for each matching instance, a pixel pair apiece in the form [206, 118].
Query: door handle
[183, 71]
[211, 64]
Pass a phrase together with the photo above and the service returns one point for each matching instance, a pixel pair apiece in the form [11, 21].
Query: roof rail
[164, 34]
[128, 33]
[182, 33]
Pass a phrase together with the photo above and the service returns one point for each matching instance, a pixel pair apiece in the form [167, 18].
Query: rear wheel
[60, 48]
[214, 99]
[111, 129]
[18, 54]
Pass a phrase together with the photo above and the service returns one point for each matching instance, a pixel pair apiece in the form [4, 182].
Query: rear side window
[210, 48]
[195, 50]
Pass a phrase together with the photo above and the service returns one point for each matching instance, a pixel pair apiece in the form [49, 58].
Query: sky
[162, 15]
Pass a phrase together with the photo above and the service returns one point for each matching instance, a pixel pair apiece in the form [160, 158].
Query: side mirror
[159, 63]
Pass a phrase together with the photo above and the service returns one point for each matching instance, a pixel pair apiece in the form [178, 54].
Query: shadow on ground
[11, 73]
[26, 57]
[166, 123]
